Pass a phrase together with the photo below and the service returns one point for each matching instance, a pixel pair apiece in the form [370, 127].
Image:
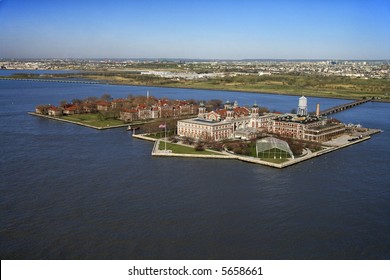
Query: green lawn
[275, 156]
[92, 119]
[161, 134]
[179, 149]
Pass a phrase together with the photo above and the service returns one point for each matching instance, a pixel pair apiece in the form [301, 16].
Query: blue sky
[333, 29]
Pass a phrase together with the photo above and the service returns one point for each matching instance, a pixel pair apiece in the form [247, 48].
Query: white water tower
[302, 106]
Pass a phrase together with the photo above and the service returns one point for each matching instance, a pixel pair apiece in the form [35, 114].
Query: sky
[195, 29]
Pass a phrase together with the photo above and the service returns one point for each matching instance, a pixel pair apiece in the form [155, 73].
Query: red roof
[142, 106]
[103, 103]
[54, 108]
[119, 100]
[221, 112]
[241, 111]
[163, 102]
[182, 102]
[72, 108]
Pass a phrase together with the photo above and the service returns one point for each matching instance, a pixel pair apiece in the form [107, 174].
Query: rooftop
[204, 121]
[298, 119]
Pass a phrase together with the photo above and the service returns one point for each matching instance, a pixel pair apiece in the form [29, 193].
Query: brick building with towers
[233, 121]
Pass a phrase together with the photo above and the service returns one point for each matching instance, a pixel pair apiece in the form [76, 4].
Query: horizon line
[192, 59]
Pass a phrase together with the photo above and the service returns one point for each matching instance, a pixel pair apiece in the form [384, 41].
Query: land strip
[74, 121]
[331, 146]
[288, 84]
[310, 85]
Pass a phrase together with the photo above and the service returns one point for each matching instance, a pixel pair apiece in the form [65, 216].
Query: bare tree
[106, 97]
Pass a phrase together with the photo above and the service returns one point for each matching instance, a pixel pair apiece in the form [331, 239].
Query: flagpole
[165, 137]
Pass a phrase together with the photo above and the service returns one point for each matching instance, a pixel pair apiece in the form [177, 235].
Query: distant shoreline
[260, 91]
[205, 85]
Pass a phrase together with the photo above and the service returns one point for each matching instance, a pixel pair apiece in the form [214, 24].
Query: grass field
[274, 155]
[269, 155]
[180, 149]
[93, 120]
[332, 87]
[161, 134]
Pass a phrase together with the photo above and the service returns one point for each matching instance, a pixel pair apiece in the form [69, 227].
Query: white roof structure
[269, 143]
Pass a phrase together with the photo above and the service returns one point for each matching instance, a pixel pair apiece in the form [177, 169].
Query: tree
[91, 99]
[173, 139]
[63, 103]
[106, 97]
[215, 145]
[192, 101]
[214, 103]
[199, 146]
[43, 109]
[77, 101]
[188, 140]
[263, 110]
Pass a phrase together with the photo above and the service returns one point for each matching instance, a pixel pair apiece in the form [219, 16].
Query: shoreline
[329, 96]
[103, 82]
[224, 155]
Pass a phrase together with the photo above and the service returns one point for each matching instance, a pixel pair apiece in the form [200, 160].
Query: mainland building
[234, 121]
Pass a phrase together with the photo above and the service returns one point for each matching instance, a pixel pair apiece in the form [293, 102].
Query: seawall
[226, 155]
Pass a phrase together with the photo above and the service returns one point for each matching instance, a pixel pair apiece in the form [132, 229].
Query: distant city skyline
[246, 29]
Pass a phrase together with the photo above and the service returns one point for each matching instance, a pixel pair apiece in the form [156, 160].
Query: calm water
[7, 73]
[69, 192]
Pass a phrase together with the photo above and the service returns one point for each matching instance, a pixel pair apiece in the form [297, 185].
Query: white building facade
[234, 121]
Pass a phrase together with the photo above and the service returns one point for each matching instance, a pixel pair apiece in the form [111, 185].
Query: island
[217, 129]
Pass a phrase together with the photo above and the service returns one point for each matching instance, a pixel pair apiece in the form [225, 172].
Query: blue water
[8, 73]
[70, 192]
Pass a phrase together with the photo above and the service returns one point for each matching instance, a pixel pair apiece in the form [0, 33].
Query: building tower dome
[302, 106]
[228, 105]
[202, 110]
[255, 110]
